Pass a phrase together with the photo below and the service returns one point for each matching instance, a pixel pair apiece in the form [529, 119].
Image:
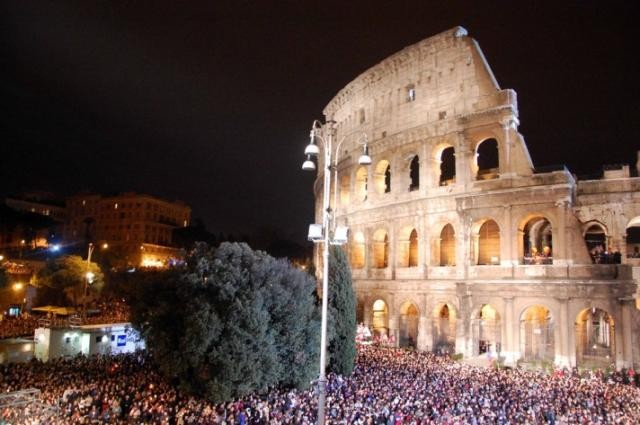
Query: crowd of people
[112, 310]
[388, 386]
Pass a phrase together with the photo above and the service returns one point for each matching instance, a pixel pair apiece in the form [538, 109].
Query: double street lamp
[321, 233]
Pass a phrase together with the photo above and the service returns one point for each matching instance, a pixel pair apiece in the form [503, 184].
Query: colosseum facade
[457, 241]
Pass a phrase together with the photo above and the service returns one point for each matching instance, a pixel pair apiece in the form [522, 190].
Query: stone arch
[447, 246]
[414, 173]
[380, 319]
[408, 326]
[380, 249]
[345, 190]
[486, 331]
[487, 159]
[444, 320]
[447, 166]
[595, 338]
[537, 334]
[536, 243]
[596, 239]
[408, 247]
[382, 177]
[486, 242]
[361, 184]
[357, 251]
[633, 238]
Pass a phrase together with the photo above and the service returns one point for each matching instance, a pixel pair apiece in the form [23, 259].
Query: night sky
[211, 102]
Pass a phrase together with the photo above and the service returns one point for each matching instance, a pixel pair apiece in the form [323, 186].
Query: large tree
[67, 275]
[232, 322]
[342, 303]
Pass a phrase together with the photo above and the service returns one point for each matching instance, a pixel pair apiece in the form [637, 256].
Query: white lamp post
[320, 233]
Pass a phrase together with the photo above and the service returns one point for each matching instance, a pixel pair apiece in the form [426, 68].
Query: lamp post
[321, 233]
[89, 275]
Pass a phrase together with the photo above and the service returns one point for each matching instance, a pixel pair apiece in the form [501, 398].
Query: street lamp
[320, 233]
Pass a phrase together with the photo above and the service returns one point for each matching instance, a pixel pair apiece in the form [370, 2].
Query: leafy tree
[68, 275]
[342, 304]
[232, 322]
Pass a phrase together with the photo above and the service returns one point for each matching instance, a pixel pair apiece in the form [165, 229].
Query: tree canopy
[342, 304]
[68, 275]
[233, 321]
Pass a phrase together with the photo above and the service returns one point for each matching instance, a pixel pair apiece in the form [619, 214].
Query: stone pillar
[509, 351]
[433, 172]
[394, 330]
[507, 163]
[627, 342]
[393, 237]
[507, 255]
[425, 339]
[366, 311]
[560, 239]
[565, 355]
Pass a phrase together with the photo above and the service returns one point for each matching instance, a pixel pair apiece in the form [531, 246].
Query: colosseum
[457, 242]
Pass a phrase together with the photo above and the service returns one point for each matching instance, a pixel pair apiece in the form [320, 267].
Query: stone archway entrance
[536, 335]
[486, 331]
[444, 329]
[380, 321]
[408, 325]
[595, 342]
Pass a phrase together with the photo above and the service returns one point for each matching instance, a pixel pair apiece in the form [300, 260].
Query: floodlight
[340, 236]
[316, 233]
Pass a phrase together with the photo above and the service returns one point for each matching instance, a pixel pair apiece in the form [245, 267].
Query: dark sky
[211, 102]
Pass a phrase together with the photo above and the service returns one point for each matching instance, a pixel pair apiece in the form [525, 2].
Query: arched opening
[536, 335]
[595, 345]
[444, 328]
[487, 158]
[345, 190]
[537, 241]
[382, 177]
[489, 243]
[486, 331]
[414, 174]
[408, 325]
[380, 318]
[407, 248]
[357, 251]
[633, 238]
[360, 189]
[448, 166]
[596, 239]
[413, 249]
[380, 249]
[447, 246]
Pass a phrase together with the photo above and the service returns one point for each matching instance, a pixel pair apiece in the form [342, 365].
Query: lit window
[411, 94]
[115, 206]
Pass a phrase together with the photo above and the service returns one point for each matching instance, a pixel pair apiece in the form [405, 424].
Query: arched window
[447, 167]
[357, 251]
[344, 190]
[414, 174]
[447, 246]
[382, 177]
[380, 318]
[489, 243]
[360, 189]
[595, 343]
[380, 249]
[536, 334]
[488, 160]
[413, 249]
[633, 238]
[486, 331]
[537, 241]
[596, 239]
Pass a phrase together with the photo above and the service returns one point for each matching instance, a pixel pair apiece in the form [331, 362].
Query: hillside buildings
[457, 241]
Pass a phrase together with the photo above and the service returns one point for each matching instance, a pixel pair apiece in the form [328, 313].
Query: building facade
[457, 242]
[138, 226]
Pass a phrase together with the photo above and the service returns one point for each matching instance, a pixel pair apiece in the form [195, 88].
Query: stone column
[565, 356]
[509, 350]
[560, 238]
[507, 165]
[507, 257]
[627, 324]
[366, 310]
[425, 339]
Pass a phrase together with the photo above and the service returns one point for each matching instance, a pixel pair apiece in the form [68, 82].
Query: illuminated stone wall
[497, 233]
